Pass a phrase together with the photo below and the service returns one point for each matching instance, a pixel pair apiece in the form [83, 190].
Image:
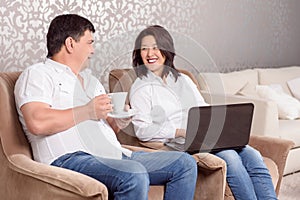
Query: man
[63, 110]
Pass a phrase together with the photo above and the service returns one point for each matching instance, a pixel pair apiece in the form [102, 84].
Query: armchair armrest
[265, 117]
[138, 148]
[211, 181]
[274, 148]
[59, 177]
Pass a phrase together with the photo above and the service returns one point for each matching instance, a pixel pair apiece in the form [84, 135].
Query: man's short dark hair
[64, 26]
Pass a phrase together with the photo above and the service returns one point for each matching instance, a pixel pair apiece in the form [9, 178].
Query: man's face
[84, 49]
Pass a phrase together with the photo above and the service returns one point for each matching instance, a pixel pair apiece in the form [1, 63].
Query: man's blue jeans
[247, 174]
[129, 178]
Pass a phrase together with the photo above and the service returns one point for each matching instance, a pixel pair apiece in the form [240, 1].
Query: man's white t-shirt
[55, 84]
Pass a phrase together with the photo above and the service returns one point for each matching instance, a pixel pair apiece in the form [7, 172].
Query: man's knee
[137, 182]
[188, 162]
[138, 174]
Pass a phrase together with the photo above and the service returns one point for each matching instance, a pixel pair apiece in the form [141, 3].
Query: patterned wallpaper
[210, 35]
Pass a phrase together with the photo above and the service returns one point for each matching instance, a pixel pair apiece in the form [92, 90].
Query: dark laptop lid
[218, 127]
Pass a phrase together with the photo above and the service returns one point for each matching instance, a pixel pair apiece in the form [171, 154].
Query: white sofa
[277, 110]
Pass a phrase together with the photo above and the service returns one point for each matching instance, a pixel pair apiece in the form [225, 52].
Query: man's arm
[41, 119]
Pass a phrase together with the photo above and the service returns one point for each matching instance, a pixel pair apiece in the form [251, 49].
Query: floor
[290, 187]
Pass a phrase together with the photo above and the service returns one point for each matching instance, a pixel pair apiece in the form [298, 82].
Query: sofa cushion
[278, 76]
[248, 90]
[294, 86]
[288, 107]
[228, 83]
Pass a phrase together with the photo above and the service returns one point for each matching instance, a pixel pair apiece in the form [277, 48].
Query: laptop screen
[218, 127]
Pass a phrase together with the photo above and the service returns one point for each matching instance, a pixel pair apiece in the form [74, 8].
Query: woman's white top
[162, 107]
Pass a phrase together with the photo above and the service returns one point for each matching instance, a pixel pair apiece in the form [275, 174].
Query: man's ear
[69, 42]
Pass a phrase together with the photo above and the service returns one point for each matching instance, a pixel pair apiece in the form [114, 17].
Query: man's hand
[99, 107]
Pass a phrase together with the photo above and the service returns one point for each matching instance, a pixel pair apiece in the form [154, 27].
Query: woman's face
[151, 55]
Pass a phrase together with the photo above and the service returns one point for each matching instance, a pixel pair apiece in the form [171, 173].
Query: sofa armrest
[274, 148]
[265, 117]
[59, 177]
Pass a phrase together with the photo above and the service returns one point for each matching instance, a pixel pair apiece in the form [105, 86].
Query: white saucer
[124, 114]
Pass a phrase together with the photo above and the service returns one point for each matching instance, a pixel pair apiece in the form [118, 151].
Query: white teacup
[118, 100]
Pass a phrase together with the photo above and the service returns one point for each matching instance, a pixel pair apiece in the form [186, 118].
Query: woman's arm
[151, 121]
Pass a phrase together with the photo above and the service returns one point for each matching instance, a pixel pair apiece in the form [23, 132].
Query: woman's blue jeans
[130, 177]
[247, 174]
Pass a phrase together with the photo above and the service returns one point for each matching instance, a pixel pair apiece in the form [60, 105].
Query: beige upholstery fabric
[211, 169]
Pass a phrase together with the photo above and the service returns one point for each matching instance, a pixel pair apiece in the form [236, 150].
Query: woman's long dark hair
[164, 43]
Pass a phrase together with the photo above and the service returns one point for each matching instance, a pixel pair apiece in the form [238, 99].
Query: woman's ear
[69, 42]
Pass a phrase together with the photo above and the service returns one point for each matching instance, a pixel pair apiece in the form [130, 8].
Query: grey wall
[210, 35]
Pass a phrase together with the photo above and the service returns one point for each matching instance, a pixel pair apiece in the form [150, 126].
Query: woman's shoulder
[184, 77]
[140, 82]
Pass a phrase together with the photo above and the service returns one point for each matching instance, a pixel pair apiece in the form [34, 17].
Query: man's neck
[60, 58]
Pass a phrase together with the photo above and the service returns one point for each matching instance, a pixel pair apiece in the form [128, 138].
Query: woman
[162, 96]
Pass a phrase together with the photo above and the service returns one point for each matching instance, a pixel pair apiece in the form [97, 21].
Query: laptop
[215, 128]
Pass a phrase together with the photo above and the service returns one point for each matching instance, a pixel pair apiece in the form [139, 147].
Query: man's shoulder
[38, 67]
[39, 71]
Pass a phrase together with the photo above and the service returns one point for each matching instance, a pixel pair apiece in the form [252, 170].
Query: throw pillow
[228, 83]
[288, 106]
[249, 90]
[294, 86]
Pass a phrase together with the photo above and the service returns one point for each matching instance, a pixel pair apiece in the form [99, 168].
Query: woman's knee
[250, 151]
[252, 159]
[232, 159]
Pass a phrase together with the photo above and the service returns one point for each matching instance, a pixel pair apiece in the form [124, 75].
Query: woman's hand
[180, 133]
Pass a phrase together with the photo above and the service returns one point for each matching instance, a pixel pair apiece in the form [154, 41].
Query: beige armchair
[23, 178]
[273, 150]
